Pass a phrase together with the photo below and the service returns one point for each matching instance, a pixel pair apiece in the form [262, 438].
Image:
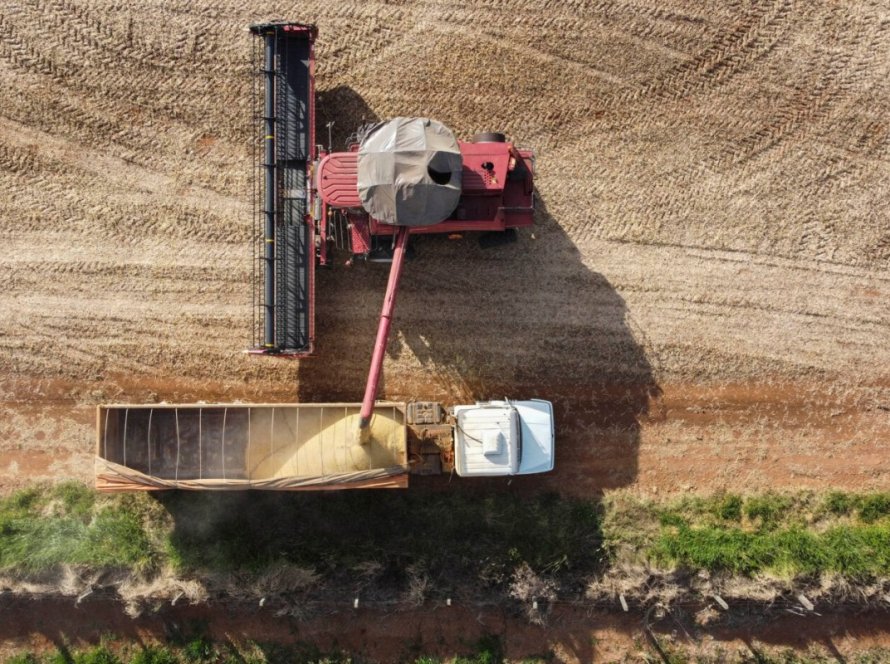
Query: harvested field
[704, 296]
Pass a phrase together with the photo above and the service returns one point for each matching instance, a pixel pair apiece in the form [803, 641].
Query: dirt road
[572, 634]
[704, 297]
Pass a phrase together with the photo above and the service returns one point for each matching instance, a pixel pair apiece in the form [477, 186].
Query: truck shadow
[526, 320]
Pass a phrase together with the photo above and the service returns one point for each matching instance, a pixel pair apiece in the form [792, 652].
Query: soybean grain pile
[704, 296]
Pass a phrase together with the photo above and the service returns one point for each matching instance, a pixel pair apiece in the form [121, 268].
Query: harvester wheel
[492, 239]
[490, 137]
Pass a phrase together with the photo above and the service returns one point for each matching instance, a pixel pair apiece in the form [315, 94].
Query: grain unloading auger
[402, 177]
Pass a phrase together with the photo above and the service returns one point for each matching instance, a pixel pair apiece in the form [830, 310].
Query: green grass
[868, 507]
[729, 507]
[769, 509]
[856, 552]
[23, 658]
[200, 649]
[787, 535]
[488, 650]
[839, 503]
[154, 655]
[43, 527]
[874, 507]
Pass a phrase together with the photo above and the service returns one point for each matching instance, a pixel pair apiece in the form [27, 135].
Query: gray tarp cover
[396, 166]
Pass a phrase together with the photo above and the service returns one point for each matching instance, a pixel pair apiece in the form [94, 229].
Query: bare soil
[704, 297]
[571, 634]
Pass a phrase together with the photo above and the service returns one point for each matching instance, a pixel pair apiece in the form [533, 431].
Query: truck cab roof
[501, 438]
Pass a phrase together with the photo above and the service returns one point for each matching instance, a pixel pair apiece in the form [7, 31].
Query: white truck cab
[502, 438]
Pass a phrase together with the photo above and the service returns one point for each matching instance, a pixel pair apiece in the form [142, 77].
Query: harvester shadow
[340, 113]
[536, 322]
[345, 110]
[525, 320]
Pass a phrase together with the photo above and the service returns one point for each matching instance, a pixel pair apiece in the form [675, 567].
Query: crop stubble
[704, 296]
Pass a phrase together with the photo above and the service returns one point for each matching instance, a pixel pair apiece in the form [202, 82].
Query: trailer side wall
[237, 446]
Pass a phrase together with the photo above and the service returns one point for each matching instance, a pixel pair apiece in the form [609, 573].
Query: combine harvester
[402, 177]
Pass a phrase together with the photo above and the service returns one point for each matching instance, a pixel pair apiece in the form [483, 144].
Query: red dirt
[572, 634]
[738, 437]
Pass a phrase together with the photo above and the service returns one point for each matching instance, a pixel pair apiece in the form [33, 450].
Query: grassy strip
[43, 527]
[448, 538]
[786, 535]
[854, 551]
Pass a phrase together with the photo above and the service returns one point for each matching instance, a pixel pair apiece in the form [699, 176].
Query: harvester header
[285, 64]
[311, 201]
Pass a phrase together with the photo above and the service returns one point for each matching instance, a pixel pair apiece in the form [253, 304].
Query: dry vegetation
[295, 552]
[545, 566]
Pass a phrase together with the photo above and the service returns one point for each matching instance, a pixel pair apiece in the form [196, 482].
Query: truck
[313, 446]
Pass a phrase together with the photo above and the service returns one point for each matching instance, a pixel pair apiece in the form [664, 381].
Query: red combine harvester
[421, 181]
